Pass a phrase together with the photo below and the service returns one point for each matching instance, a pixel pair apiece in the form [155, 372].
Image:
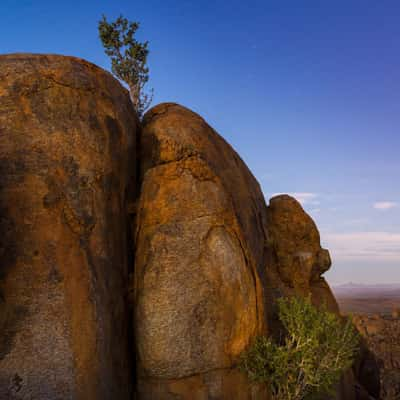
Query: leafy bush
[316, 349]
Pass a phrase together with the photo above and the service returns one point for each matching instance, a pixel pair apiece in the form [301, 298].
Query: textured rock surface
[296, 259]
[296, 263]
[67, 136]
[382, 336]
[200, 246]
[210, 257]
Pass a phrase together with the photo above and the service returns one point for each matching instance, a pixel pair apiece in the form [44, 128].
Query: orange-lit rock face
[295, 267]
[296, 243]
[199, 247]
[296, 254]
[210, 258]
[67, 135]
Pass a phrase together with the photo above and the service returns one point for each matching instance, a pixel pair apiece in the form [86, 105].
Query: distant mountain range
[367, 290]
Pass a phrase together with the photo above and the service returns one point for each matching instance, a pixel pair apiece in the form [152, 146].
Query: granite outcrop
[138, 259]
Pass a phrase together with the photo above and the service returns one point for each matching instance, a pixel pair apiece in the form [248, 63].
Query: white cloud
[385, 205]
[375, 246]
[305, 198]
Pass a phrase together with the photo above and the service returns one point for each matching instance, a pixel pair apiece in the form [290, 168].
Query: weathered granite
[199, 250]
[67, 153]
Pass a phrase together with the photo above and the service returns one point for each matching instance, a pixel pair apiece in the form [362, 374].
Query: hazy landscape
[367, 299]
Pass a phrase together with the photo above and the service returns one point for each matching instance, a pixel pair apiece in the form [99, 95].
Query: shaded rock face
[199, 253]
[382, 338]
[67, 153]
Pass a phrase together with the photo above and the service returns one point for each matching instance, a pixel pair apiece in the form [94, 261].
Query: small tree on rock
[128, 58]
[316, 349]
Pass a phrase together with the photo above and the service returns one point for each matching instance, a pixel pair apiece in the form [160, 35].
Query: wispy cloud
[364, 245]
[305, 198]
[385, 205]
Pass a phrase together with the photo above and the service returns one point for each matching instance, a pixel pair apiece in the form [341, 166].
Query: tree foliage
[128, 58]
[316, 349]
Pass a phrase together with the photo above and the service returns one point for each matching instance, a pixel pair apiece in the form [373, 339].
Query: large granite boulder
[67, 153]
[200, 250]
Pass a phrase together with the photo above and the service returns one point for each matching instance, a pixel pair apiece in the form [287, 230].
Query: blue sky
[308, 92]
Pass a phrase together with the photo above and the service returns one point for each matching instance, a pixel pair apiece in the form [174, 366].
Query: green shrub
[128, 58]
[316, 349]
